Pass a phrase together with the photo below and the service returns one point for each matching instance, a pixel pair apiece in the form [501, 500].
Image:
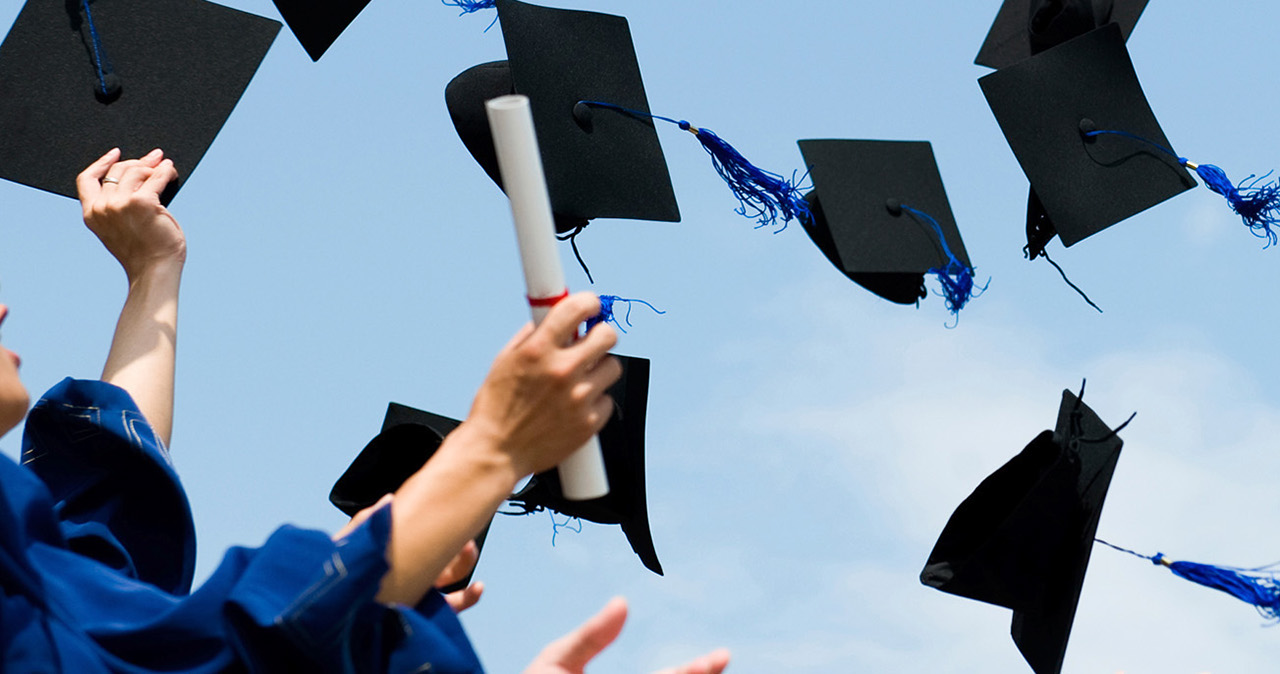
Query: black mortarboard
[409, 437]
[78, 78]
[598, 163]
[1027, 27]
[1022, 539]
[317, 23]
[622, 442]
[1046, 104]
[862, 220]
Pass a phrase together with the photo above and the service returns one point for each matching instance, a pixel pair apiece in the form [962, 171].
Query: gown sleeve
[299, 603]
[116, 496]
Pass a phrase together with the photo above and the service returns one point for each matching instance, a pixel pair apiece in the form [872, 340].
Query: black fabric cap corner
[1045, 104]
[885, 249]
[622, 442]
[1022, 539]
[599, 163]
[173, 71]
[1026, 27]
[318, 23]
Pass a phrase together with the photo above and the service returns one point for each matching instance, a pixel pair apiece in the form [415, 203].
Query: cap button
[582, 115]
[894, 207]
[109, 88]
[1087, 126]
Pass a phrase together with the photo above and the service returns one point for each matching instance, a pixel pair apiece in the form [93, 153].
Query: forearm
[440, 508]
[144, 347]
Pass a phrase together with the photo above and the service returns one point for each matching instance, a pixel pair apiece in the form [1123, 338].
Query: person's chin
[11, 412]
[14, 399]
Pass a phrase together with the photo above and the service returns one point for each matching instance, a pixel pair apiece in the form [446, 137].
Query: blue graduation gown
[97, 553]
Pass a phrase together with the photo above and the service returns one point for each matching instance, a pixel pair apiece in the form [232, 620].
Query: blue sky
[806, 440]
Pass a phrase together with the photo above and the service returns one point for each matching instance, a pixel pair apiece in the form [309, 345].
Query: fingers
[574, 650]
[598, 341]
[89, 182]
[361, 517]
[711, 663]
[561, 324]
[465, 598]
[160, 178]
[460, 566]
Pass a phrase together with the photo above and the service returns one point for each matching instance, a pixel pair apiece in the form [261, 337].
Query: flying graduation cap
[410, 437]
[599, 146]
[880, 214]
[596, 165]
[1023, 28]
[79, 77]
[1077, 119]
[1022, 539]
[318, 23]
[1046, 104]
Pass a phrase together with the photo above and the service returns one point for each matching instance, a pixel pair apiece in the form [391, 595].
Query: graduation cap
[1081, 127]
[622, 441]
[410, 437]
[880, 214]
[1026, 27]
[599, 147]
[596, 165]
[318, 23]
[1022, 539]
[78, 77]
[1047, 104]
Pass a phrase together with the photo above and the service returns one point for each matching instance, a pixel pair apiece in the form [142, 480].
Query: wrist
[161, 272]
[481, 447]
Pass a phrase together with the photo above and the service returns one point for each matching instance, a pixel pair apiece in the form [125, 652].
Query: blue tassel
[762, 196]
[1251, 586]
[956, 278]
[469, 6]
[1257, 587]
[1257, 205]
[573, 524]
[607, 315]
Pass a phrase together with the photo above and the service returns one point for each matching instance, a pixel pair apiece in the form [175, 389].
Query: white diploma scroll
[582, 475]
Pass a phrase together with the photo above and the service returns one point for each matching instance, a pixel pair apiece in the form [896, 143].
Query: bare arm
[543, 398]
[121, 202]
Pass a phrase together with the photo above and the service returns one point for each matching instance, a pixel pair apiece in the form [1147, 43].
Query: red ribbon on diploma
[547, 301]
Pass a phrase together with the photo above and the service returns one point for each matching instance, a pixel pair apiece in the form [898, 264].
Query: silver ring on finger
[113, 181]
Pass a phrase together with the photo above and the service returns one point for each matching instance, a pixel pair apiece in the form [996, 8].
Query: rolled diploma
[582, 475]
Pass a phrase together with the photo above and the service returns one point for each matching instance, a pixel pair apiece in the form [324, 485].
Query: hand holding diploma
[582, 475]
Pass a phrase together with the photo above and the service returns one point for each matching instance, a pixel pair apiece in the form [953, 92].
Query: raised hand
[121, 203]
[571, 653]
